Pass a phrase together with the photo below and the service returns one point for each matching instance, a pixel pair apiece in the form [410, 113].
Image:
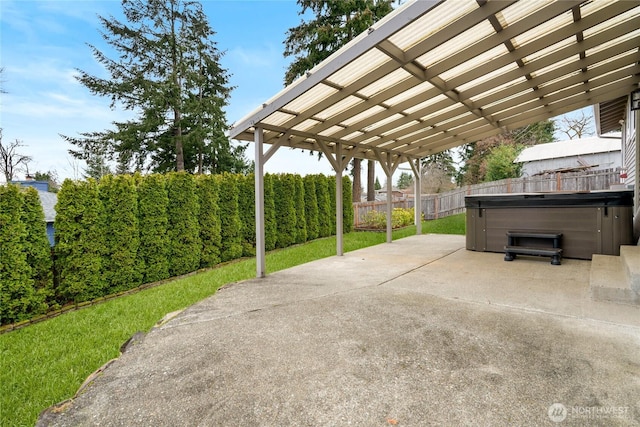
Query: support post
[259, 187]
[417, 197]
[389, 198]
[339, 203]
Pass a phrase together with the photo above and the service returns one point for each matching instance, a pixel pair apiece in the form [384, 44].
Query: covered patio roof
[433, 75]
[437, 74]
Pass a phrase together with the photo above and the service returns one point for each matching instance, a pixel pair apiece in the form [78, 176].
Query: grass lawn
[45, 363]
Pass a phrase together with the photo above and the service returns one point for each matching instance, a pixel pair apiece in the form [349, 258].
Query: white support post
[417, 196]
[636, 184]
[339, 196]
[389, 172]
[259, 181]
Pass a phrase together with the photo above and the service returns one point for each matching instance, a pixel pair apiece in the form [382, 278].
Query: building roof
[48, 202]
[437, 74]
[570, 148]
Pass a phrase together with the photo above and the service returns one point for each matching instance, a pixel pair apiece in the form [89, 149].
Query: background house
[48, 201]
[573, 155]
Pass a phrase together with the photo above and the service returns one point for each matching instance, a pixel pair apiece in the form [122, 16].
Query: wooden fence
[452, 202]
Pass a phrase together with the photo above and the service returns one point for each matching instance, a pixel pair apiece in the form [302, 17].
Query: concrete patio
[412, 333]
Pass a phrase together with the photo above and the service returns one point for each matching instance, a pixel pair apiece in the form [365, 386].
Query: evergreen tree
[168, 72]
[16, 282]
[299, 201]
[79, 237]
[284, 192]
[122, 267]
[311, 207]
[209, 221]
[37, 249]
[153, 223]
[347, 205]
[331, 25]
[324, 206]
[247, 211]
[183, 228]
[270, 225]
[230, 224]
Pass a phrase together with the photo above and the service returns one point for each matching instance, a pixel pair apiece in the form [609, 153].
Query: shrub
[331, 189]
[153, 222]
[284, 192]
[301, 220]
[183, 228]
[247, 212]
[311, 207]
[79, 237]
[270, 225]
[400, 217]
[38, 250]
[347, 205]
[16, 283]
[209, 221]
[121, 265]
[324, 205]
[230, 224]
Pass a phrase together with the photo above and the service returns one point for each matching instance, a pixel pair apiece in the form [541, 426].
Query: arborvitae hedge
[347, 205]
[301, 219]
[324, 205]
[122, 267]
[247, 212]
[311, 207]
[284, 191]
[38, 250]
[231, 226]
[209, 221]
[183, 227]
[153, 252]
[17, 293]
[331, 188]
[79, 239]
[270, 225]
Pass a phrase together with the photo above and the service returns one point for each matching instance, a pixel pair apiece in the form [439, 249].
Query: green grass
[45, 363]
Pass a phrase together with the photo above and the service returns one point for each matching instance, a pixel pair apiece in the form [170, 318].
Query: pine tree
[167, 71]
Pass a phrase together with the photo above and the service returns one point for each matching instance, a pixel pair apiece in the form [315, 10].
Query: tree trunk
[178, 137]
[371, 180]
[357, 182]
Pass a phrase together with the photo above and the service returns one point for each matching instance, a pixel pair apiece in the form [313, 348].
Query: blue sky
[44, 42]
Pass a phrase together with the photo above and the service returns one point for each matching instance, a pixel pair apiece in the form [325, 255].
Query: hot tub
[596, 222]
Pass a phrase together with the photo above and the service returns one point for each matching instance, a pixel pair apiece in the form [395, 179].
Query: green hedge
[38, 251]
[209, 221]
[17, 292]
[231, 226]
[153, 224]
[114, 235]
[183, 228]
[123, 269]
[80, 247]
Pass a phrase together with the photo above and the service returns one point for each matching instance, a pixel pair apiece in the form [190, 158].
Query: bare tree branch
[10, 160]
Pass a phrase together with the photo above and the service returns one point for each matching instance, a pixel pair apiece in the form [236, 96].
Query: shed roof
[437, 74]
[574, 147]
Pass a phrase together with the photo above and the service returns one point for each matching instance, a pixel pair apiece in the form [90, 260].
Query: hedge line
[121, 232]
